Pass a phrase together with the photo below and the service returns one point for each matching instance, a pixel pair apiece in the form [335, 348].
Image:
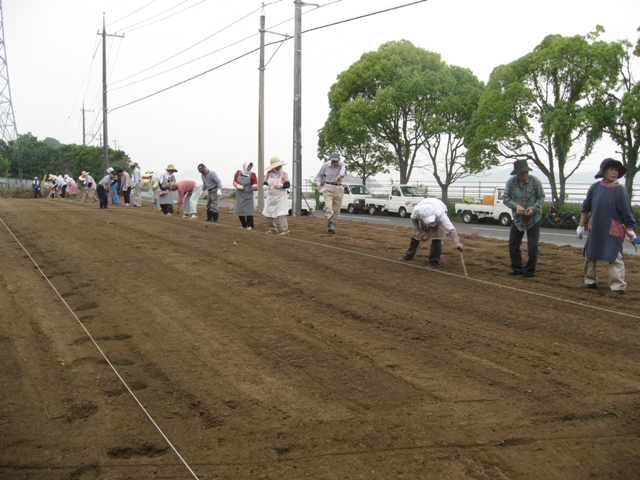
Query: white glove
[239, 187]
[580, 232]
[632, 235]
[254, 187]
[219, 192]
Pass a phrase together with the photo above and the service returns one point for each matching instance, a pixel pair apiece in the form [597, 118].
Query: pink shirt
[126, 181]
[184, 187]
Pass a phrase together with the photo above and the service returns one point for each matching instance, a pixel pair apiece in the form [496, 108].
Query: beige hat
[149, 172]
[274, 163]
[52, 176]
[171, 167]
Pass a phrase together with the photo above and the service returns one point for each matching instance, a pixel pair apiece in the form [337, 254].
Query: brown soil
[308, 356]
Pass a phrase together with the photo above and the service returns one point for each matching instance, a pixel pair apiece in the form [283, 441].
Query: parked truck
[490, 206]
[354, 199]
[400, 199]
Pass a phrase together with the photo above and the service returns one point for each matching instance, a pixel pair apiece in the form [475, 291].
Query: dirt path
[308, 356]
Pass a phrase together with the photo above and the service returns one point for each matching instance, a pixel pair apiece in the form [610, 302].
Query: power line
[194, 45]
[132, 13]
[131, 29]
[359, 17]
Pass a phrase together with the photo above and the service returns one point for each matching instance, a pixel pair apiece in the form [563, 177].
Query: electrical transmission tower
[8, 129]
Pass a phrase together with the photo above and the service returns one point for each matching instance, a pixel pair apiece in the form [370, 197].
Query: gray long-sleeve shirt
[328, 172]
[211, 181]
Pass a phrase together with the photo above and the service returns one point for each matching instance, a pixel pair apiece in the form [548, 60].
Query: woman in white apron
[276, 206]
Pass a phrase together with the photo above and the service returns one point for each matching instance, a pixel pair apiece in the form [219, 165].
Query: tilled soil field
[137, 346]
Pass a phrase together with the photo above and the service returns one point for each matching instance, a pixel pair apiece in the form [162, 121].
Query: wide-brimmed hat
[275, 162]
[149, 172]
[171, 167]
[608, 163]
[52, 176]
[84, 173]
[82, 178]
[520, 166]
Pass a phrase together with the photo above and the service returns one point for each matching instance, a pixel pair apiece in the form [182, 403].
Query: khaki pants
[284, 225]
[333, 201]
[137, 195]
[616, 273]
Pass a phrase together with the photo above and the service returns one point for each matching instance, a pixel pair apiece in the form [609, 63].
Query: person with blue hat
[330, 178]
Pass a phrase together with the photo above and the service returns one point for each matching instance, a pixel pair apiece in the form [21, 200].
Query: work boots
[215, 216]
[209, 216]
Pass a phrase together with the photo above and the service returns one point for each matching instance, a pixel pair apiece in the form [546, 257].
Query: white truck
[400, 199]
[354, 199]
[491, 206]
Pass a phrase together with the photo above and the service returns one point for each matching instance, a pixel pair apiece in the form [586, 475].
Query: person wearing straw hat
[35, 185]
[246, 182]
[53, 186]
[524, 195]
[165, 192]
[611, 220]
[136, 185]
[431, 222]
[154, 179]
[277, 181]
[213, 186]
[89, 187]
[330, 178]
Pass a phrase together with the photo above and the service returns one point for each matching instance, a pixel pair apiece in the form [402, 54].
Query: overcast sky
[54, 56]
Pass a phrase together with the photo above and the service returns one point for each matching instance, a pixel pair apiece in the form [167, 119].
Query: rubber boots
[215, 216]
[209, 216]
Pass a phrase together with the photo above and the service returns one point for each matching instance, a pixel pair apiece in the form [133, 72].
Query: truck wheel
[505, 219]
[402, 212]
[372, 210]
[467, 217]
[351, 208]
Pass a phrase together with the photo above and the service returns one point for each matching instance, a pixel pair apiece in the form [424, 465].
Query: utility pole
[84, 135]
[261, 116]
[8, 129]
[105, 154]
[297, 109]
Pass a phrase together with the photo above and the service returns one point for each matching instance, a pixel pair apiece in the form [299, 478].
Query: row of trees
[28, 157]
[402, 107]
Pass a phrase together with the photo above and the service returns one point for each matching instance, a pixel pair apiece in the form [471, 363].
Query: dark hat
[608, 163]
[334, 157]
[201, 167]
[520, 166]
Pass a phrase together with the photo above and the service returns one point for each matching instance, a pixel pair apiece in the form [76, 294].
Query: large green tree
[445, 129]
[364, 156]
[389, 93]
[618, 112]
[538, 108]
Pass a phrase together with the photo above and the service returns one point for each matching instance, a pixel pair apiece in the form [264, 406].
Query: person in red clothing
[246, 182]
[189, 193]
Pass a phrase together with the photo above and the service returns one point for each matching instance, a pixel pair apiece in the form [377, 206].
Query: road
[547, 235]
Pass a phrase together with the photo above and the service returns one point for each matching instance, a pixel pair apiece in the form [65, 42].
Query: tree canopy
[383, 99]
[540, 107]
